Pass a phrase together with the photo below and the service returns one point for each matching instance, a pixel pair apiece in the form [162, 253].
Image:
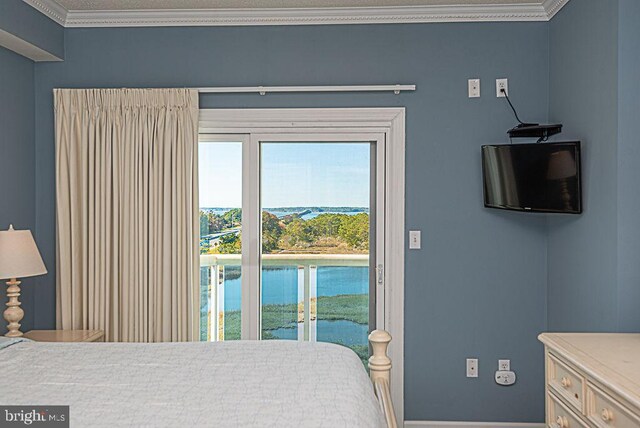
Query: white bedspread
[229, 384]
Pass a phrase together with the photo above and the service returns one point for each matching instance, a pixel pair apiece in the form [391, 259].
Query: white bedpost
[380, 372]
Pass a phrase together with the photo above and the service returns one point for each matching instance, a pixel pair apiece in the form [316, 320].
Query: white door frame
[391, 122]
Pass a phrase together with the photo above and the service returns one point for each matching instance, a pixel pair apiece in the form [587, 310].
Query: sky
[293, 175]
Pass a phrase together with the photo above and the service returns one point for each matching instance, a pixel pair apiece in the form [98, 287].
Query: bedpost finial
[380, 336]
[380, 372]
[379, 362]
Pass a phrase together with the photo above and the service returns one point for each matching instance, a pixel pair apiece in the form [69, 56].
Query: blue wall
[594, 274]
[478, 288]
[17, 159]
[584, 83]
[628, 161]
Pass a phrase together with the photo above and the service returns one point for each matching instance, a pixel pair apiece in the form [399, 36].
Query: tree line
[213, 223]
[326, 232]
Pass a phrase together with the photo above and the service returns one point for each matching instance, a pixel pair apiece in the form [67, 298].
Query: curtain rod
[263, 90]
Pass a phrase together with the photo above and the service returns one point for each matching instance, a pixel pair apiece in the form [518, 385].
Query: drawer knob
[566, 382]
[607, 415]
[562, 422]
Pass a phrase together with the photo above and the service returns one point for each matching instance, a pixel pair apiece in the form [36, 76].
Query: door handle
[380, 271]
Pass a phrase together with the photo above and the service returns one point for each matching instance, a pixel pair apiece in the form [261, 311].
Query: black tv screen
[542, 177]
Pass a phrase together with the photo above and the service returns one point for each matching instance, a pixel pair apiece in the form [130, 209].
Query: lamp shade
[19, 255]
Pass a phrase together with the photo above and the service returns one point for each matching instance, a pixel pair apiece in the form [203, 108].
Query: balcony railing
[307, 265]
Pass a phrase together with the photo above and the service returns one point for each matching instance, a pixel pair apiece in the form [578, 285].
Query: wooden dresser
[592, 380]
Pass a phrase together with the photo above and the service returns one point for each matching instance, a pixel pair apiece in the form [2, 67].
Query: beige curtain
[127, 212]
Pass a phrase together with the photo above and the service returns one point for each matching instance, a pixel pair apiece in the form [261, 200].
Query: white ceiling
[163, 13]
[266, 4]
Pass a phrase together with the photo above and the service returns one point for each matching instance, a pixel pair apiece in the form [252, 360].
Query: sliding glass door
[220, 173]
[301, 257]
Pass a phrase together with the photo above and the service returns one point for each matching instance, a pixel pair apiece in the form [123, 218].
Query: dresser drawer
[604, 411]
[559, 415]
[566, 382]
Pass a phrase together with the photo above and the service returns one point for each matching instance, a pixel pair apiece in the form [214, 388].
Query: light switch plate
[415, 240]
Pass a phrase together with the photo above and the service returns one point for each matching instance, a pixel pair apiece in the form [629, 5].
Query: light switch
[415, 240]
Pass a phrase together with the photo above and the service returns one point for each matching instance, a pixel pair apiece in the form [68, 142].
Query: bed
[224, 384]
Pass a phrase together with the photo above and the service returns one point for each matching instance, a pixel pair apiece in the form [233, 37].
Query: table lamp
[19, 258]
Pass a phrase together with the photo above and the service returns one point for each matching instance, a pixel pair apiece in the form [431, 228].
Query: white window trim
[391, 122]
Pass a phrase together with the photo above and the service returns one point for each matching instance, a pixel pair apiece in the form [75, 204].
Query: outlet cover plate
[502, 83]
[472, 367]
[474, 88]
[504, 365]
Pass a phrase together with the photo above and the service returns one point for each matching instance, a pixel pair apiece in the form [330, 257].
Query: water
[340, 331]
[314, 214]
[281, 213]
[280, 285]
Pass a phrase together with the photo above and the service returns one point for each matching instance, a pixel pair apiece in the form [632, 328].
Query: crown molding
[24, 48]
[534, 11]
[305, 16]
[553, 6]
[50, 8]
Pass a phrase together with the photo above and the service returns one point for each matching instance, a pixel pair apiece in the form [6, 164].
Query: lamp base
[14, 313]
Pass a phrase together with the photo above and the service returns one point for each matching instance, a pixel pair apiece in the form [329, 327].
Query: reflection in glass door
[316, 225]
[220, 171]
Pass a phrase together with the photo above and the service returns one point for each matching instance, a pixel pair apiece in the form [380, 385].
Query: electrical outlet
[500, 85]
[472, 367]
[505, 378]
[474, 88]
[504, 365]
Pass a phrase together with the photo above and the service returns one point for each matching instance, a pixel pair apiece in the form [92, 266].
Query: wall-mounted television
[542, 177]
